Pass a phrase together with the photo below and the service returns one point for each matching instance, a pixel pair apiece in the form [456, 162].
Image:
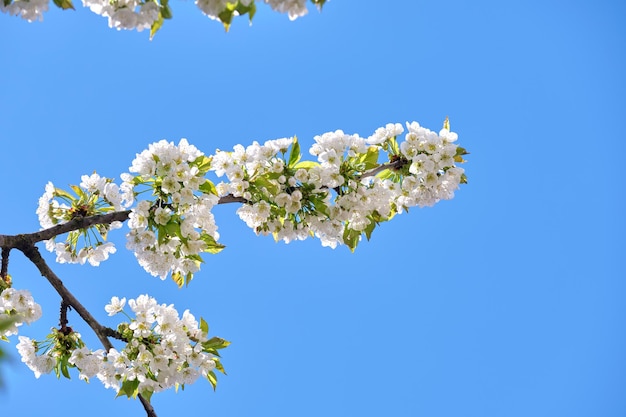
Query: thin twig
[63, 328]
[4, 270]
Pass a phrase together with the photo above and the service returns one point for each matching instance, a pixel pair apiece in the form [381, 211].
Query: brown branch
[4, 270]
[32, 253]
[394, 166]
[147, 406]
[79, 223]
[63, 328]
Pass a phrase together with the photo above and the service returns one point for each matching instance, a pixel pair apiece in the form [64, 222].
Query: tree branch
[32, 253]
[14, 241]
[394, 166]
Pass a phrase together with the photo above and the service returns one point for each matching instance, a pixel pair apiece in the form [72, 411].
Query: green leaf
[251, 11]
[172, 228]
[319, 3]
[369, 229]
[156, 25]
[64, 194]
[178, 278]
[203, 163]
[6, 2]
[79, 191]
[226, 16]
[181, 279]
[214, 344]
[204, 326]
[369, 159]
[208, 187]
[385, 174]
[305, 165]
[129, 389]
[64, 369]
[393, 146]
[219, 366]
[212, 246]
[166, 11]
[351, 238]
[64, 4]
[294, 156]
[320, 206]
[212, 379]
[264, 182]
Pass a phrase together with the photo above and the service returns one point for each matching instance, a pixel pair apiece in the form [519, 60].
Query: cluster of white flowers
[214, 8]
[336, 198]
[294, 8]
[30, 10]
[39, 364]
[142, 14]
[169, 232]
[339, 198]
[96, 195]
[163, 350]
[17, 306]
[434, 176]
[126, 14]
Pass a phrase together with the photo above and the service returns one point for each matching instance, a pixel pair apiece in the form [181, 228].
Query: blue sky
[506, 301]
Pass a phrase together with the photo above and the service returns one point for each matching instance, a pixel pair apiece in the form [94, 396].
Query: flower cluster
[225, 10]
[163, 350]
[95, 195]
[126, 14]
[30, 10]
[150, 14]
[17, 307]
[55, 352]
[170, 230]
[339, 198]
[347, 192]
[433, 174]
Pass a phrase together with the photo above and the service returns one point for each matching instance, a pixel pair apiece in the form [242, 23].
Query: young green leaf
[207, 187]
[306, 165]
[294, 156]
[156, 25]
[64, 4]
[204, 326]
[212, 379]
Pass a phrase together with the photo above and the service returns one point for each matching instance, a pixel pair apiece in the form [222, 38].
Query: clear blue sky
[508, 301]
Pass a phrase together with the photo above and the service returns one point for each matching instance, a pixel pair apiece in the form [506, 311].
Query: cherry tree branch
[32, 253]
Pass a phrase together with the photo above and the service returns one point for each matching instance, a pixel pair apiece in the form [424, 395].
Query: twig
[63, 328]
[4, 270]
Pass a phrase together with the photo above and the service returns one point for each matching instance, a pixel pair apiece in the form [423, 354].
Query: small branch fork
[26, 244]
